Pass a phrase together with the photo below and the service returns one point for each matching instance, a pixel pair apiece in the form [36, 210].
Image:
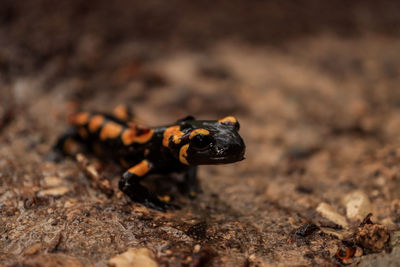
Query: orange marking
[110, 130]
[140, 169]
[121, 112]
[164, 198]
[83, 133]
[80, 118]
[129, 136]
[198, 131]
[176, 134]
[95, 123]
[183, 154]
[228, 120]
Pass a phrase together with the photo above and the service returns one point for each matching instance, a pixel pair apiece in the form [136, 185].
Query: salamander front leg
[191, 186]
[129, 184]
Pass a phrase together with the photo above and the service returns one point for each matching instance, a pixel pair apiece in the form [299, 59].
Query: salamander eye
[201, 141]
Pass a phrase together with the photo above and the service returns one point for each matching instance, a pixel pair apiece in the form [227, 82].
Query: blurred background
[315, 85]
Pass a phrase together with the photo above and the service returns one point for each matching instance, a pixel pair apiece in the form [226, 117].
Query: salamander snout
[212, 142]
[228, 152]
[226, 148]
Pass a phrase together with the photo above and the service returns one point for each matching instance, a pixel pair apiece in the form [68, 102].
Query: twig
[97, 181]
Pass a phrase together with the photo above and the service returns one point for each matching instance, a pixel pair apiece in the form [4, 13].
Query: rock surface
[314, 85]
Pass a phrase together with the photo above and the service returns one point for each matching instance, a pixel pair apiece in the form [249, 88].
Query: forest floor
[320, 116]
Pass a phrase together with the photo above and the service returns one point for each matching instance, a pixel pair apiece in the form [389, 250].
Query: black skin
[222, 145]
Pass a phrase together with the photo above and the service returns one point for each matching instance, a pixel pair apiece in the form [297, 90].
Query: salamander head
[196, 142]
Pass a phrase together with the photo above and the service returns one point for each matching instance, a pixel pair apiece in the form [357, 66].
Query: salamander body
[178, 147]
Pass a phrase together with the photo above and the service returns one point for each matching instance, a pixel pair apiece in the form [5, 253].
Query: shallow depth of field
[315, 86]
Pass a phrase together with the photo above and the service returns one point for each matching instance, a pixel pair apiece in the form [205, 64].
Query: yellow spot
[83, 133]
[228, 120]
[165, 198]
[129, 136]
[198, 131]
[126, 136]
[121, 112]
[95, 123]
[110, 130]
[176, 134]
[183, 154]
[80, 118]
[140, 169]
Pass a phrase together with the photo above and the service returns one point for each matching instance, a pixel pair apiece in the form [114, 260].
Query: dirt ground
[315, 87]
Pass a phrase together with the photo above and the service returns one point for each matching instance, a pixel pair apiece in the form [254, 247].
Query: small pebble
[340, 234]
[52, 181]
[57, 191]
[359, 252]
[142, 257]
[329, 213]
[357, 205]
[196, 248]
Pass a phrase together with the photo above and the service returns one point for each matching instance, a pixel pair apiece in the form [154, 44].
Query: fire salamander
[179, 148]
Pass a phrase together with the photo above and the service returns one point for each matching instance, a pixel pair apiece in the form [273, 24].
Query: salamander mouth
[218, 158]
[227, 159]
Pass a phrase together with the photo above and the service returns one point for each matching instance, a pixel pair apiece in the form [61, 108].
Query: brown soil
[314, 85]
